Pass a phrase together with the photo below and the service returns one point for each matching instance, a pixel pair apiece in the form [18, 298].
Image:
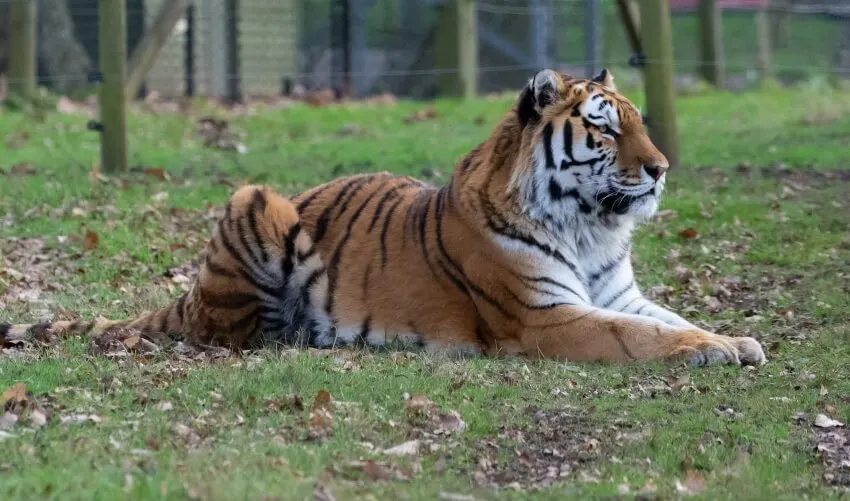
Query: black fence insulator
[94, 125]
[637, 60]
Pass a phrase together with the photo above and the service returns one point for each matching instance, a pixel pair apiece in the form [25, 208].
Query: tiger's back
[393, 262]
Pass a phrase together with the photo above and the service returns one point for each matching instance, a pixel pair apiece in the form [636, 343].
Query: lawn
[754, 239]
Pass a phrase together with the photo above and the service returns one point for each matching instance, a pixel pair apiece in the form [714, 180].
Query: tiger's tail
[164, 321]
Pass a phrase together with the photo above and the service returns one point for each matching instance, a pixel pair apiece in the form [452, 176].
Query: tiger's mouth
[620, 202]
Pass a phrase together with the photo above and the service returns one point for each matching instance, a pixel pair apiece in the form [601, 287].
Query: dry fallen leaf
[688, 234]
[823, 421]
[420, 405]
[693, 483]
[15, 395]
[22, 169]
[132, 341]
[321, 419]
[322, 400]
[375, 472]
[90, 240]
[157, 172]
[428, 113]
[409, 448]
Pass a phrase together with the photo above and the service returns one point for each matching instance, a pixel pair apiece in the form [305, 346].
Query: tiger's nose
[655, 171]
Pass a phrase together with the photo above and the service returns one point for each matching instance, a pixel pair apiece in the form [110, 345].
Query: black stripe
[303, 256]
[423, 226]
[229, 301]
[384, 199]
[514, 234]
[610, 265]
[442, 200]
[255, 232]
[619, 294]
[244, 322]
[258, 203]
[547, 145]
[181, 305]
[288, 259]
[249, 249]
[325, 217]
[642, 307]
[364, 331]
[245, 273]
[163, 320]
[466, 162]
[336, 257]
[4, 331]
[319, 190]
[385, 229]
[213, 247]
[353, 193]
[309, 283]
[590, 142]
[529, 306]
[568, 144]
[481, 337]
[217, 269]
[489, 299]
[553, 283]
[624, 308]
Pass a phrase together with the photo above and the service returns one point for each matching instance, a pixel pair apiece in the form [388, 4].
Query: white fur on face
[575, 175]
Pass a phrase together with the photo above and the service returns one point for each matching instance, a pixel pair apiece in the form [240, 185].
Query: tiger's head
[584, 152]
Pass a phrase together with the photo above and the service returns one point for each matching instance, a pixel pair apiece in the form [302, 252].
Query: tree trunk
[63, 60]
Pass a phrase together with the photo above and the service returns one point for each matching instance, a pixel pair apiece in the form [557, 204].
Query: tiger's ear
[542, 90]
[605, 78]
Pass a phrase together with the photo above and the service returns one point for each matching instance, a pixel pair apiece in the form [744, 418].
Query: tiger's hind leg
[261, 277]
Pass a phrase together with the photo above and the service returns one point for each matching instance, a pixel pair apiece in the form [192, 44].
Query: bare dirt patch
[559, 444]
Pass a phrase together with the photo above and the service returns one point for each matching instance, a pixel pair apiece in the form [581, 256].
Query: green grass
[760, 182]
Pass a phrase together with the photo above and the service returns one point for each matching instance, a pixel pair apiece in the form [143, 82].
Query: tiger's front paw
[750, 351]
[713, 349]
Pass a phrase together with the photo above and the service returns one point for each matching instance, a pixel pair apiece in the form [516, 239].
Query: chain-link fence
[247, 48]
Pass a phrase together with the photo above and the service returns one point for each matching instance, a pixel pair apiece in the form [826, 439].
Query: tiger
[525, 251]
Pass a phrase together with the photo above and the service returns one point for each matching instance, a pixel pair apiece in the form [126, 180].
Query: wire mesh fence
[268, 47]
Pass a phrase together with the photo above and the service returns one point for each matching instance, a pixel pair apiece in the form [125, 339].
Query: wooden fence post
[630, 16]
[144, 56]
[657, 44]
[112, 44]
[713, 66]
[457, 49]
[592, 29]
[21, 47]
[763, 60]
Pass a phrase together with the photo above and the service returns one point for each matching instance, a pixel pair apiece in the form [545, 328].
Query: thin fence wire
[389, 46]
